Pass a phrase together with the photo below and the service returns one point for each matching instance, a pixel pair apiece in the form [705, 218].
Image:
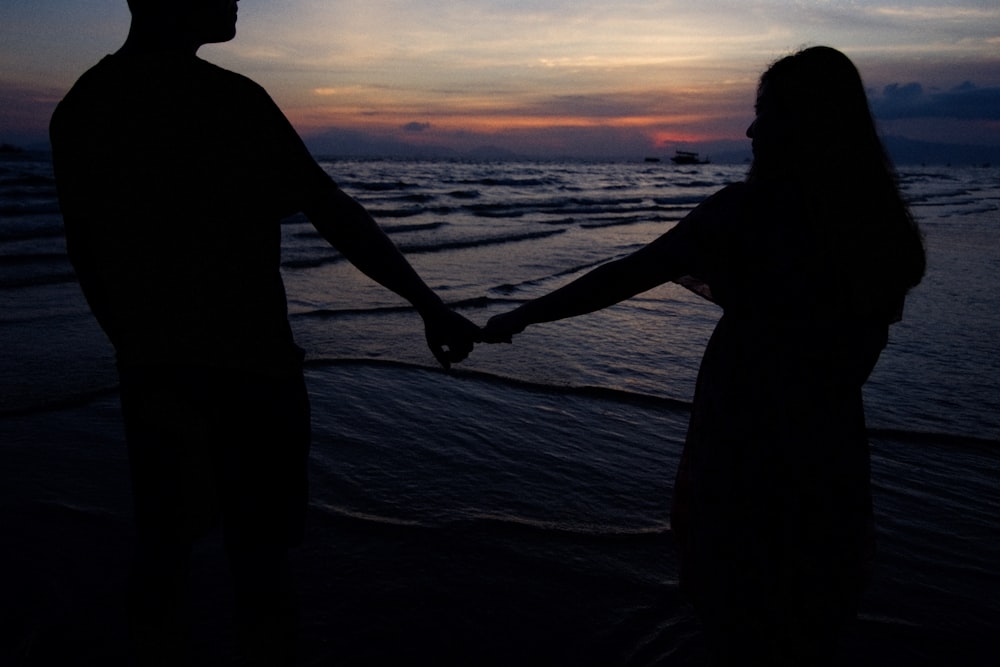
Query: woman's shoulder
[735, 206]
[720, 205]
[746, 199]
[730, 194]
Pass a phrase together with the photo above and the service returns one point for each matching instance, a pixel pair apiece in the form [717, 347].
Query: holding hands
[450, 336]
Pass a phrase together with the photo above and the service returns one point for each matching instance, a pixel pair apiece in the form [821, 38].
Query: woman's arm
[669, 257]
[606, 285]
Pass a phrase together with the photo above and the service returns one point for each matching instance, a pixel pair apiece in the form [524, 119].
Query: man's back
[173, 177]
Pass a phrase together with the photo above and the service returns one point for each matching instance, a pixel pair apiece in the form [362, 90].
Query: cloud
[593, 106]
[416, 127]
[911, 100]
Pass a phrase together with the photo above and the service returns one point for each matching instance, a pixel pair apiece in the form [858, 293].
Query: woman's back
[811, 260]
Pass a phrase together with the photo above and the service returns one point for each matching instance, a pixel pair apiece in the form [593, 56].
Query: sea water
[515, 510]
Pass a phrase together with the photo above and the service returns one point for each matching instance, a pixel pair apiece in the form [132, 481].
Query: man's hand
[450, 336]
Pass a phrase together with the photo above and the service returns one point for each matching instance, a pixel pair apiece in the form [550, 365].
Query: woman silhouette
[810, 259]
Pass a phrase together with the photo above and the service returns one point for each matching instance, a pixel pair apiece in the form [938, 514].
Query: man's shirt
[173, 176]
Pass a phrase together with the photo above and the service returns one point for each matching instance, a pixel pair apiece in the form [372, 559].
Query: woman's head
[812, 114]
[814, 131]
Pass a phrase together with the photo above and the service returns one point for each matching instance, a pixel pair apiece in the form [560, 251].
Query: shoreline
[468, 590]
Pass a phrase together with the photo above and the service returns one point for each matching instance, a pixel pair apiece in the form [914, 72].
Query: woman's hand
[501, 328]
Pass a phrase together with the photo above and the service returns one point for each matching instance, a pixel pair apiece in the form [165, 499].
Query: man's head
[197, 22]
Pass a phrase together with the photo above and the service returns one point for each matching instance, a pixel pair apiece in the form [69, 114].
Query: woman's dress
[772, 508]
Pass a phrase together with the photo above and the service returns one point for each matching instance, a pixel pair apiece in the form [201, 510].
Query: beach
[513, 511]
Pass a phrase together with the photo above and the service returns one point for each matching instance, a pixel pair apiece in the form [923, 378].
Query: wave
[510, 182]
[34, 182]
[500, 524]
[32, 258]
[972, 208]
[465, 194]
[421, 248]
[31, 226]
[60, 513]
[35, 269]
[28, 208]
[933, 438]
[941, 199]
[21, 282]
[680, 200]
[510, 288]
[567, 206]
[909, 177]
[494, 524]
[380, 213]
[586, 265]
[77, 400]
[622, 221]
[332, 313]
[380, 186]
[419, 227]
[364, 517]
[587, 391]
[989, 446]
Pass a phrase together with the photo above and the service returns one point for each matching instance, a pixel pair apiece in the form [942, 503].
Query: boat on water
[687, 157]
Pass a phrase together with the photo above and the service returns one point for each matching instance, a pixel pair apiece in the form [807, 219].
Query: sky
[586, 78]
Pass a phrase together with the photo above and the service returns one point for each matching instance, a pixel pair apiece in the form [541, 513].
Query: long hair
[826, 146]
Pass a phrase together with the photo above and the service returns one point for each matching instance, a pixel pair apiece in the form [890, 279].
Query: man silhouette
[173, 176]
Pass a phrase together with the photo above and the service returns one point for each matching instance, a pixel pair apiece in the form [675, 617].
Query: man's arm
[348, 227]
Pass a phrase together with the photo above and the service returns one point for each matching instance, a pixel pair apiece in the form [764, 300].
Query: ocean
[512, 511]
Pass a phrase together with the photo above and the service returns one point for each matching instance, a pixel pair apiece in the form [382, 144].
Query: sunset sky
[559, 77]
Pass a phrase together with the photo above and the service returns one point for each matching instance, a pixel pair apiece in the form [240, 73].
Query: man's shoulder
[226, 77]
[116, 70]
[93, 83]
[93, 76]
[117, 83]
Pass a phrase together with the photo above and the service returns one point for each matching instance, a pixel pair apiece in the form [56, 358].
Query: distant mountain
[901, 149]
[911, 151]
[493, 153]
[353, 143]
